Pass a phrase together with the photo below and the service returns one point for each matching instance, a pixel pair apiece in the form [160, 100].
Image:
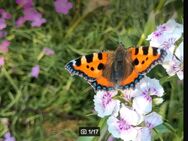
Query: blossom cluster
[130, 122]
[166, 37]
[130, 115]
[30, 14]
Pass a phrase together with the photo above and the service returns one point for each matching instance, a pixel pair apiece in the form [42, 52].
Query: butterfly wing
[142, 60]
[91, 67]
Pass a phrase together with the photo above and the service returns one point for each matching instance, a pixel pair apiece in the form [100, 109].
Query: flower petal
[48, 51]
[180, 75]
[4, 46]
[179, 52]
[2, 62]
[150, 86]
[130, 116]
[35, 71]
[142, 104]
[144, 134]
[153, 119]
[113, 126]
[62, 6]
[129, 134]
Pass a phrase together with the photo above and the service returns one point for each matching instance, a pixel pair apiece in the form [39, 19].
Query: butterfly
[119, 69]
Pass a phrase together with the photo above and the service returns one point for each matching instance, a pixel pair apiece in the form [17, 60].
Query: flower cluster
[126, 121]
[30, 14]
[166, 37]
[130, 115]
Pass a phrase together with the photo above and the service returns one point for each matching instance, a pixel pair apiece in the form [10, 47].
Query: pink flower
[32, 15]
[35, 17]
[62, 6]
[48, 51]
[2, 62]
[4, 14]
[38, 21]
[4, 46]
[24, 3]
[8, 137]
[111, 138]
[2, 33]
[2, 23]
[20, 21]
[35, 71]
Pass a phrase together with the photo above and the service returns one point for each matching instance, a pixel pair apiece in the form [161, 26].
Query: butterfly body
[119, 69]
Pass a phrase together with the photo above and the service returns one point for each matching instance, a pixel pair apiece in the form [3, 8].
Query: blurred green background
[53, 106]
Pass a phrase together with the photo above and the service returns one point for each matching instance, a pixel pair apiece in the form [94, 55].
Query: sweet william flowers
[136, 120]
[30, 14]
[133, 121]
[124, 126]
[35, 71]
[3, 17]
[62, 6]
[4, 46]
[48, 51]
[165, 37]
[105, 105]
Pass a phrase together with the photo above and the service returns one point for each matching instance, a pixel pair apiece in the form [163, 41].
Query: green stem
[76, 23]
[19, 93]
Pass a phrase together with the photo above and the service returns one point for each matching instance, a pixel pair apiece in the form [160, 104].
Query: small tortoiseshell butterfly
[119, 69]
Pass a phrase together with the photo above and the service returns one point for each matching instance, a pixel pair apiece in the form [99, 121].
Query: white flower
[174, 65]
[130, 116]
[152, 120]
[144, 134]
[146, 88]
[142, 104]
[104, 103]
[166, 35]
[128, 94]
[123, 127]
[179, 52]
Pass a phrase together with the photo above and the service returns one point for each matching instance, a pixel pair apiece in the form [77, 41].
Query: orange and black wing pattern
[91, 67]
[143, 59]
